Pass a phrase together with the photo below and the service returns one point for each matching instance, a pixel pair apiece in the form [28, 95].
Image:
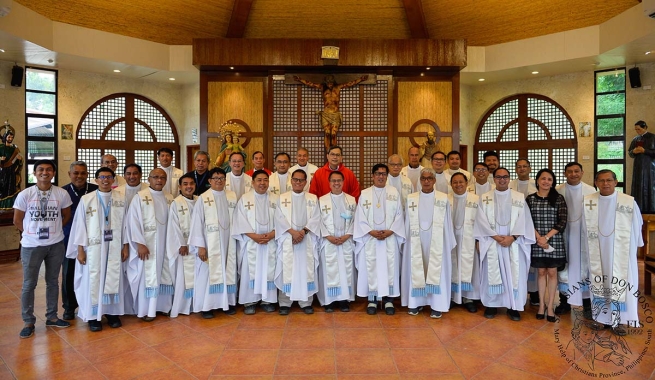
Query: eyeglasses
[427, 178]
[157, 178]
[334, 154]
[105, 177]
[503, 177]
[298, 180]
[605, 180]
[218, 178]
[380, 174]
[480, 170]
[439, 159]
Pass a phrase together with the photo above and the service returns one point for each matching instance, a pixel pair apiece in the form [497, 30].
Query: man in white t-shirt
[40, 212]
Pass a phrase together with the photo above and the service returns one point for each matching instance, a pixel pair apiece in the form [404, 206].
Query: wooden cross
[286, 203]
[147, 200]
[274, 190]
[413, 206]
[487, 200]
[182, 210]
[367, 204]
[90, 211]
[591, 205]
[209, 202]
[326, 209]
[249, 205]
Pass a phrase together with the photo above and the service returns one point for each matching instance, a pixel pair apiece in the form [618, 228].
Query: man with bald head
[413, 168]
[110, 161]
[401, 183]
[148, 270]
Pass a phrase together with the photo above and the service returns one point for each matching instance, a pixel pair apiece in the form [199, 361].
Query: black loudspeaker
[635, 79]
[17, 76]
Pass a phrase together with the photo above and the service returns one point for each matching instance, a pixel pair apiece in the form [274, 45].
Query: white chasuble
[240, 184]
[403, 185]
[465, 277]
[99, 284]
[255, 213]
[215, 281]
[443, 182]
[295, 274]
[182, 267]
[413, 174]
[573, 279]
[279, 183]
[378, 261]
[504, 269]
[478, 189]
[337, 268]
[150, 280]
[173, 175]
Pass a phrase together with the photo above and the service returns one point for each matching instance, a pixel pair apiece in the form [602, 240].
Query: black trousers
[69, 301]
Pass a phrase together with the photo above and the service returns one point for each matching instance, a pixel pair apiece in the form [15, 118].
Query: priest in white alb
[99, 244]
[280, 181]
[395, 179]
[480, 184]
[297, 226]
[441, 174]
[302, 162]
[173, 174]
[336, 272]
[211, 240]
[148, 271]
[379, 232]
[237, 180]
[465, 278]
[133, 184]
[181, 263]
[612, 226]
[426, 261]
[505, 232]
[253, 226]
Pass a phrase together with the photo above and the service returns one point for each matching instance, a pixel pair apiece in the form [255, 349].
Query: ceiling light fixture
[481, 80]
[171, 78]
[117, 71]
[2, 50]
[648, 52]
[427, 68]
[535, 72]
[231, 67]
[422, 74]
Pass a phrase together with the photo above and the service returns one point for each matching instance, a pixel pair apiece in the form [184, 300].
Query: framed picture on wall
[67, 131]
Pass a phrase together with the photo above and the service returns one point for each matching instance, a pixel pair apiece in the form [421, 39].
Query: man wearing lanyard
[76, 189]
[39, 213]
[201, 161]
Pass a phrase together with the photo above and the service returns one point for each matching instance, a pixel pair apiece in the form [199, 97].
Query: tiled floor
[320, 346]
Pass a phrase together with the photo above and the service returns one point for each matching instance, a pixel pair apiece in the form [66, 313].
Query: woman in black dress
[548, 209]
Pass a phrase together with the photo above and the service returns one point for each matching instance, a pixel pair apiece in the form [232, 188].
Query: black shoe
[58, 323]
[249, 310]
[26, 332]
[165, 314]
[284, 310]
[586, 309]
[471, 307]
[344, 306]
[308, 309]
[268, 307]
[114, 321]
[513, 315]
[148, 319]
[563, 306]
[534, 298]
[95, 326]
[231, 311]
[389, 309]
[490, 312]
[372, 308]
[541, 316]
[329, 308]
[68, 315]
[208, 314]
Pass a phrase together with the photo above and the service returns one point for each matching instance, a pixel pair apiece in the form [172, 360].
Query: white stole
[287, 245]
[493, 267]
[331, 250]
[95, 234]
[622, 232]
[274, 184]
[214, 231]
[188, 261]
[423, 284]
[153, 288]
[248, 200]
[466, 247]
[391, 205]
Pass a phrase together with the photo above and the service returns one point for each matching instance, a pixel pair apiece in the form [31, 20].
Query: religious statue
[11, 163]
[229, 133]
[642, 149]
[330, 116]
[427, 148]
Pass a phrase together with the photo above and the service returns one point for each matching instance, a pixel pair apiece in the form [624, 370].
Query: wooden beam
[239, 18]
[416, 19]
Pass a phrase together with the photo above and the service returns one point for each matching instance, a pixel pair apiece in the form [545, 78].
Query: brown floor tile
[313, 321]
[308, 339]
[372, 377]
[423, 361]
[222, 334]
[413, 338]
[469, 365]
[263, 321]
[241, 377]
[160, 333]
[256, 339]
[305, 362]
[356, 320]
[484, 346]
[5, 373]
[183, 349]
[110, 347]
[544, 341]
[400, 320]
[166, 373]
[505, 372]
[446, 333]
[309, 377]
[132, 364]
[132, 322]
[198, 323]
[201, 366]
[45, 365]
[432, 376]
[90, 373]
[78, 334]
[41, 342]
[536, 362]
[360, 338]
[365, 361]
[246, 362]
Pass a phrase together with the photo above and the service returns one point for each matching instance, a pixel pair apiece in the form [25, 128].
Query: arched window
[128, 126]
[528, 126]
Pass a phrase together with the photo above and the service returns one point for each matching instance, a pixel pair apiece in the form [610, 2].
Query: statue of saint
[330, 116]
[11, 163]
[427, 148]
[642, 149]
[230, 144]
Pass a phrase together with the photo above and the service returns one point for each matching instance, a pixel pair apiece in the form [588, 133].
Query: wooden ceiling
[481, 22]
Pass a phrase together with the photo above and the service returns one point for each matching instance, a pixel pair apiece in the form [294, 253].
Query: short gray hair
[77, 163]
[402, 162]
[429, 171]
[202, 152]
